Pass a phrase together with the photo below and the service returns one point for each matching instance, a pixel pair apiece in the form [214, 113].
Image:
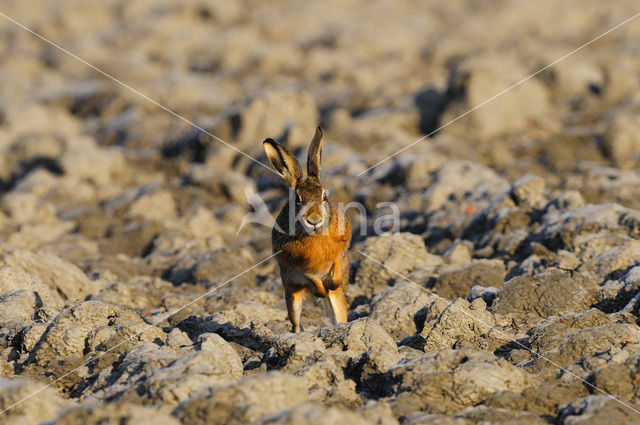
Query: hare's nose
[314, 221]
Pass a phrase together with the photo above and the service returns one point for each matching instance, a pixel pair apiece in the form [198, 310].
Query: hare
[311, 240]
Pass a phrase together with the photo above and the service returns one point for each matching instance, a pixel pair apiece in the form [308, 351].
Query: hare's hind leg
[336, 306]
[293, 297]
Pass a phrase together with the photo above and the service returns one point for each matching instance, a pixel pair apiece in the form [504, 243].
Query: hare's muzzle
[314, 217]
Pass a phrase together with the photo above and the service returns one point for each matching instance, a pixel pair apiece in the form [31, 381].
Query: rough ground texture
[518, 231]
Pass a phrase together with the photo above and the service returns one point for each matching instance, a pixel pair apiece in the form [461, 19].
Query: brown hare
[312, 239]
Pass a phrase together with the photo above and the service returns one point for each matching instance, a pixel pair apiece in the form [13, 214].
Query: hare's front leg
[340, 272]
[293, 297]
[336, 273]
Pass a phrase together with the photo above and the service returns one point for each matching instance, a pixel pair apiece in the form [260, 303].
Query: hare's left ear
[283, 161]
[314, 156]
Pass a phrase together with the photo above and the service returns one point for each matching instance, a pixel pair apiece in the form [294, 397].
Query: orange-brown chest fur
[314, 254]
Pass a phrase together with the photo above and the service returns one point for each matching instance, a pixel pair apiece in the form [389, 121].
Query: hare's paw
[320, 287]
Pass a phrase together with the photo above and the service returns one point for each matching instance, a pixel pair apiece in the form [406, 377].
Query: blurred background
[375, 75]
[95, 158]
[98, 158]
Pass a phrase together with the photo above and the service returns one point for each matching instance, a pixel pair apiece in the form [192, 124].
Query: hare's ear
[314, 156]
[283, 161]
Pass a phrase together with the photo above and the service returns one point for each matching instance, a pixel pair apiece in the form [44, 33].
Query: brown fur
[315, 263]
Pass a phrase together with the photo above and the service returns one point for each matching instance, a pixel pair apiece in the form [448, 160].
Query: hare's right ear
[314, 156]
[283, 161]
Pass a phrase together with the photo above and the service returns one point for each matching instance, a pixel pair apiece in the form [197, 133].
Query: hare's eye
[324, 195]
[298, 198]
